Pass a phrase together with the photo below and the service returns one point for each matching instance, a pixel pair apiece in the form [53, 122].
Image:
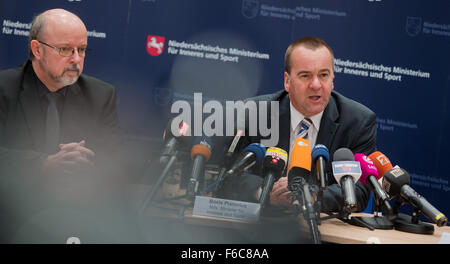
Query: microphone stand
[318, 204]
[347, 217]
[380, 221]
[220, 181]
[222, 174]
[320, 170]
[160, 180]
[309, 212]
[410, 224]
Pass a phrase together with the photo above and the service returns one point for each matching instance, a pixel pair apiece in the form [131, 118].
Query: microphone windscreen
[275, 158]
[394, 179]
[181, 131]
[258, 149]
[320, 150]
[382, 163]
[300, 155]
[201, 149]
[343, 154]
[202, 146]
[367, 168]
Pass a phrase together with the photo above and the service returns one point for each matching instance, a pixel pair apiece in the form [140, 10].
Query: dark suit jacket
[89, 113]
[345, 123]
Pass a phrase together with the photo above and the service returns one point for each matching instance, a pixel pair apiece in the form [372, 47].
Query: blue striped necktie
[302, 128]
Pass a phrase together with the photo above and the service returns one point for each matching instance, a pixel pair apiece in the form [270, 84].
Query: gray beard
[63, 80]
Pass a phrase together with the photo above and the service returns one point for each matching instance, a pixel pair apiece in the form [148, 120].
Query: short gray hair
[36, 28]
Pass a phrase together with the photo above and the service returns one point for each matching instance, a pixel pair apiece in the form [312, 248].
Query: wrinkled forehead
[307, 59]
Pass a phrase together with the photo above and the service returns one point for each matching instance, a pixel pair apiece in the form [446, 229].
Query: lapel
[285, 123]
[328, 124]
[29, 102]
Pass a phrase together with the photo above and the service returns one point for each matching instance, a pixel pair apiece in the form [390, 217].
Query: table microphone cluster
[375, 171]
[396, 183]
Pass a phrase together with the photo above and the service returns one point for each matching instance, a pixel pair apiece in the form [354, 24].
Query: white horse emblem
[154, 44]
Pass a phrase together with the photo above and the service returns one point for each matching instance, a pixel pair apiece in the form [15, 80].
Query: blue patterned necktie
[301, 131]
[302, 128]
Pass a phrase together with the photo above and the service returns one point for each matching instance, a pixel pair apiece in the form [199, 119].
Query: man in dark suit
[332, 119]
[55, 150]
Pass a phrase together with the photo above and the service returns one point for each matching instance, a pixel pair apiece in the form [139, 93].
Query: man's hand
[69, 174]
[71, 158]
[280, 194]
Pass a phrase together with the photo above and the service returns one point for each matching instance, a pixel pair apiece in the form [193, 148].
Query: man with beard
[59, 129]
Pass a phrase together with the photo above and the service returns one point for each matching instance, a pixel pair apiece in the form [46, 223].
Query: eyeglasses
[67, 51]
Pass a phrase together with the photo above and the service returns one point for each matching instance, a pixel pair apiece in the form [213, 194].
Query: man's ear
[287, 78]
[36, 49]
[332, 81]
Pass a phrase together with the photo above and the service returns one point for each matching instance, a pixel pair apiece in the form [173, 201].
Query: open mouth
[314, 97]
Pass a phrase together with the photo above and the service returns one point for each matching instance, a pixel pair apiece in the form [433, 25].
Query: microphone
[396, 182]
[370, 177]
[168, 156]
[229, 153]
[200, 154]
[299, 170]
[251, 155]
[171, 140]
[273, 165]
[380, 161]
[234, 144]
[321, 156]
[346, 171]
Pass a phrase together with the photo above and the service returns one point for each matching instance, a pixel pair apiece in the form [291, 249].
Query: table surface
[332, 230]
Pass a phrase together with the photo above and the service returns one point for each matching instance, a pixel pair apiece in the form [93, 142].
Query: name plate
[445, 238]
[223, 208]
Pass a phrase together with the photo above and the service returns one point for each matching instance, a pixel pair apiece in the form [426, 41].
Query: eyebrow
[302, 72]
[65, 44]
[308, 72]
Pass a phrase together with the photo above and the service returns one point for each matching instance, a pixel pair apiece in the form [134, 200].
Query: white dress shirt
[296, 118]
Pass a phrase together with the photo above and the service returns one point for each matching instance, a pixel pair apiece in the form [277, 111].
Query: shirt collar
[297, 117]
[43, 90]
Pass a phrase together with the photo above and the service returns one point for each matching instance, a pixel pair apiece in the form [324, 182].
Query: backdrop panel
[391, 56]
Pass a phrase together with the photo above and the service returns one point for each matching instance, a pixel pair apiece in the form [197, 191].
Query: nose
[75, 58]
[315, 83]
